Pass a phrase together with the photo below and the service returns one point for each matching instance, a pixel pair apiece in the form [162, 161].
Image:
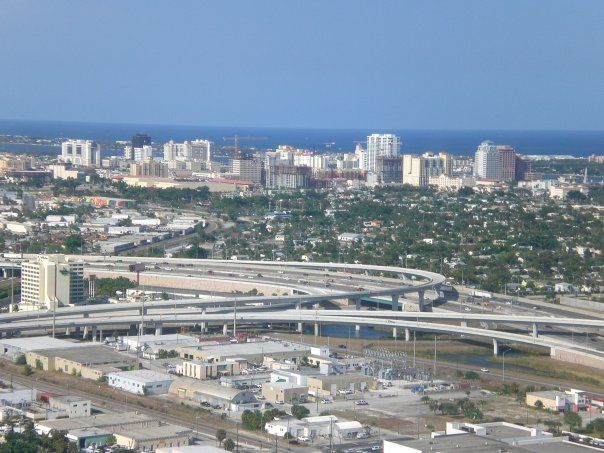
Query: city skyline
[418, 65]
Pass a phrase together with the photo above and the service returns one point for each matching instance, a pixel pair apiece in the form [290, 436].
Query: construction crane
[235, 139]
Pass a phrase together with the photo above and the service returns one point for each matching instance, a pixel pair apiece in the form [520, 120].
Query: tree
[573, 420]
[21, 360]
[229, 444]
[539, 404]
[299, 411]
[553, 425]
[27, 370]
[220, 435]
[73, 243]
[596, 427]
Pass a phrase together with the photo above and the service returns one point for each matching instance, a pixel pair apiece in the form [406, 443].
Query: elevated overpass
[351, 282]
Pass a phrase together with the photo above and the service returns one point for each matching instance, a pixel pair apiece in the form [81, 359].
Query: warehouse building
[557, 401]
[227, 398]
[208, 370]
[322, 386]
[88, 361]
[253, 352]
[11, 348]
[285, 392]
[108, 422]
[140, 382]
[151, 438]
[71, 406]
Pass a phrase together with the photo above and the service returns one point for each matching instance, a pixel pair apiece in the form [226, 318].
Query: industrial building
[311, 427]
[51, 281]
[71, 406]
[321, 386]
[90, 362]
[554, 400]
[208, 370]
[11, 348]
[285, 392]
[140, 382]
[151, 438]
[108, 422]
[486, 437]
[227, 398]
[254, 352]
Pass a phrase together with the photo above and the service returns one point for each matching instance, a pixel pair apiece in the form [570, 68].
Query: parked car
[361, 403]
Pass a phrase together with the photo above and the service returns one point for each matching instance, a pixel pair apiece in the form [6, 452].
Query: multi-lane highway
[303, 287]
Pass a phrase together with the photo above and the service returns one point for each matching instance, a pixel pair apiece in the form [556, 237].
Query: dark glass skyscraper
[140, 140]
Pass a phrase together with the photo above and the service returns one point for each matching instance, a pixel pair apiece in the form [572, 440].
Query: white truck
[481, 294]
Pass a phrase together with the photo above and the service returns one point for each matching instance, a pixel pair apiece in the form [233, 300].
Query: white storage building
[140, 382]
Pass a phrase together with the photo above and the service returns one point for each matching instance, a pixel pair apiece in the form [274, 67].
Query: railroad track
[207, 430]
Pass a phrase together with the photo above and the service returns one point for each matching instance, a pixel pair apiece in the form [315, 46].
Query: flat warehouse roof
[89, 355]
[98, 421]
[40, 343]
[155, 432]
[143, 375]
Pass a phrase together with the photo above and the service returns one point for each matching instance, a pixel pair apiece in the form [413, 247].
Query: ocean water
[576, 143]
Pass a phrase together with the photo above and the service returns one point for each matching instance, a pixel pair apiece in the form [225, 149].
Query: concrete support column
[298, 305]
[141, 329]
[420, 295]
[464, 324]
[495, 347]
[407, 334]
[535, 330]
[204, 327]
[101, 335]
[300, 327]
[394, 333]
[357, 330]
[316, 329]
[67, 331]
[85, 333]
[225, 328]
[159, 329]
[94, 333]
[395, 302]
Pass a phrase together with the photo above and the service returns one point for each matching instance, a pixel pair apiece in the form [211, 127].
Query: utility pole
[54, 308]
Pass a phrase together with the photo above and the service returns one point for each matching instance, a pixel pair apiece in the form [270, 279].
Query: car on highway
[484, 370]
[325, 401]
[361, 403]
[467, 309]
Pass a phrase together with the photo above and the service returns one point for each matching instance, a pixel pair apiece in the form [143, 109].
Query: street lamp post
[503, 365]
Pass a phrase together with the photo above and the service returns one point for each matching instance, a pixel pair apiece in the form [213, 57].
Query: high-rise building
[417, 170]
[201, 150]
[140, 140]
[487, 162]
[380, 145]
[84, 153]
[149, 167]
[287, 177]
[198, 150]
[389, 169]
[138, 154]
[507, 154]
[522, 169]
[247, 170]
[51, 280]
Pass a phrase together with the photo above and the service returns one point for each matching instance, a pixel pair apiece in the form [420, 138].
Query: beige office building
[50, 280]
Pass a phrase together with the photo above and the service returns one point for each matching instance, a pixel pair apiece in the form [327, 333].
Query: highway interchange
[307, 292]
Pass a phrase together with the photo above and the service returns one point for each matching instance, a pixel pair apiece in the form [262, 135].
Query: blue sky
[472, 64]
